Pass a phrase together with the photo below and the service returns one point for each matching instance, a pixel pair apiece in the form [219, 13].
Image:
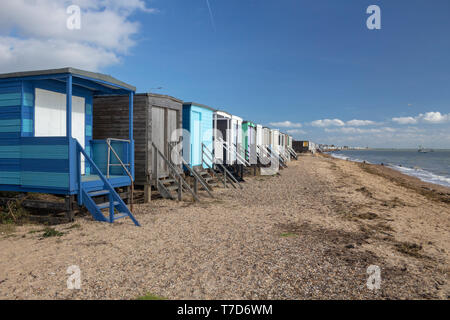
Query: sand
[310, 232]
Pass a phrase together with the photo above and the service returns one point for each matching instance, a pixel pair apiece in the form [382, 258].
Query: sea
[433, 166]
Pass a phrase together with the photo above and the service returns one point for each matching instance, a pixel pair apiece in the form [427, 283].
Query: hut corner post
[130, 125]
[69, 130]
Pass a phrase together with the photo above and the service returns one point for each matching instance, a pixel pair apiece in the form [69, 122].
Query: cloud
[405, 120]
[34, 34]
[328, 123]
[286, 124]
[352, 130]
[296, 131]
[435, 117]
[360, 123]
[429, 117]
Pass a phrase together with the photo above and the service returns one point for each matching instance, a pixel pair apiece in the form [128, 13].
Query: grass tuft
[50, 232]
[150, 296]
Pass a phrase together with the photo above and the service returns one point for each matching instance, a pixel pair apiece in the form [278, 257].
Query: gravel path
[299, 235]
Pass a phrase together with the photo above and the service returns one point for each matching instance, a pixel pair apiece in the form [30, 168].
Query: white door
[50, 117]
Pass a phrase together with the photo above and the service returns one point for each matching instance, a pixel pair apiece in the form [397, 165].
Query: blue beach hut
[198, 121]
[46, 143]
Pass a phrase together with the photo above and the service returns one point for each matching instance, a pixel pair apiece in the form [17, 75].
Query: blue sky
[292, 64]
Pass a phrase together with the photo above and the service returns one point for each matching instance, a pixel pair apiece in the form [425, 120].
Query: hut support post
[180, 189]
[195, 186]
[69, 106]
[147, 193]
[69, 207]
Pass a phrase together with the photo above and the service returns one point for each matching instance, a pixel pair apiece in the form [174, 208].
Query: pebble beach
[309, 232]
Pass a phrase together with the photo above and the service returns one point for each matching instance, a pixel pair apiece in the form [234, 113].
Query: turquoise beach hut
[198, 126]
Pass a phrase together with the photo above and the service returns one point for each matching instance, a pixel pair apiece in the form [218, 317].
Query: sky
[310, 68]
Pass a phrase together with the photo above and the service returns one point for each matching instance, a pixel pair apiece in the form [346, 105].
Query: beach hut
[222, 133]
[259, 136]
[274, 140]
[249, 139]
[266, 137]
[304, 146]
[157, 128]
[236, 139]
[47, 145]
[198, 126]
[283, 146]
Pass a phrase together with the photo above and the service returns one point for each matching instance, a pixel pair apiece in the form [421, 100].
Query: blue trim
[131, 137]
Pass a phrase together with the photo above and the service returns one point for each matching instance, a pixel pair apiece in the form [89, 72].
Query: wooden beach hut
[47, 145]
[157, 129]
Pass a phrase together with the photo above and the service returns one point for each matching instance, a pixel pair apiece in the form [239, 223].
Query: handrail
[100, 174]
[275, 154]
[206, 163]
[110, 148]
[238, 156]
[225, 170]
[108, 142]
[292, 151]
[174, 171]
[245, 162]
[197, 177]
[266, 153]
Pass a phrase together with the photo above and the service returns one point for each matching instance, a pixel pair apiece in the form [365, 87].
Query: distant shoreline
[430, 190]
[423, 175]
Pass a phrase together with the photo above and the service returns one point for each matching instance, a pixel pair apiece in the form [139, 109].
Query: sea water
[433, 167]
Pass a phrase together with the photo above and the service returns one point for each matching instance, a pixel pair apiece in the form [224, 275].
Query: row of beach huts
[90, 139]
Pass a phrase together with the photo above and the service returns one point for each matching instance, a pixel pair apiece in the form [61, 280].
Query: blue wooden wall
[10, 132]
[36, 163]
[191, 146]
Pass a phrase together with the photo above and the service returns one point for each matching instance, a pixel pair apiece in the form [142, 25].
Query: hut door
[158, 138]
[50, 117]
[196, 141]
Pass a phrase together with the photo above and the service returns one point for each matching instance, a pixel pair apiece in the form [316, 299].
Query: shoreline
[392, 167]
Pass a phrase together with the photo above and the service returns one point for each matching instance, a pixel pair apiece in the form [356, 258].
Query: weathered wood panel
[111, 121]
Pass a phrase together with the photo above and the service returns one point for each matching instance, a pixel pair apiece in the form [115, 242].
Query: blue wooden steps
[117, 208]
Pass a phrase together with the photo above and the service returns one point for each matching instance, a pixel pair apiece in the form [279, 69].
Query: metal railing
[292, 151]
[107, 184]
[124, 166]
[238, 156]
[225, 171]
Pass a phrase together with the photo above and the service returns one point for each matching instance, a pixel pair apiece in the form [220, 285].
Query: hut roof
[98, 77]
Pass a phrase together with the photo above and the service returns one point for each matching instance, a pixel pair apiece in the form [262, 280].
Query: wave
[344, 157]
[419, 173]
[423, 175]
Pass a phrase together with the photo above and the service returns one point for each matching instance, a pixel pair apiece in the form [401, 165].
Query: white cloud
[360, 123]
[33, 34]
[286, 124]
[328, 123]
[405, 120]
[296, 131]
[352, 130]
[429, 117]
[435, 117]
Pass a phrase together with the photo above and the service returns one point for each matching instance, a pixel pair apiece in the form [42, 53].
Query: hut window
[50, 116]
